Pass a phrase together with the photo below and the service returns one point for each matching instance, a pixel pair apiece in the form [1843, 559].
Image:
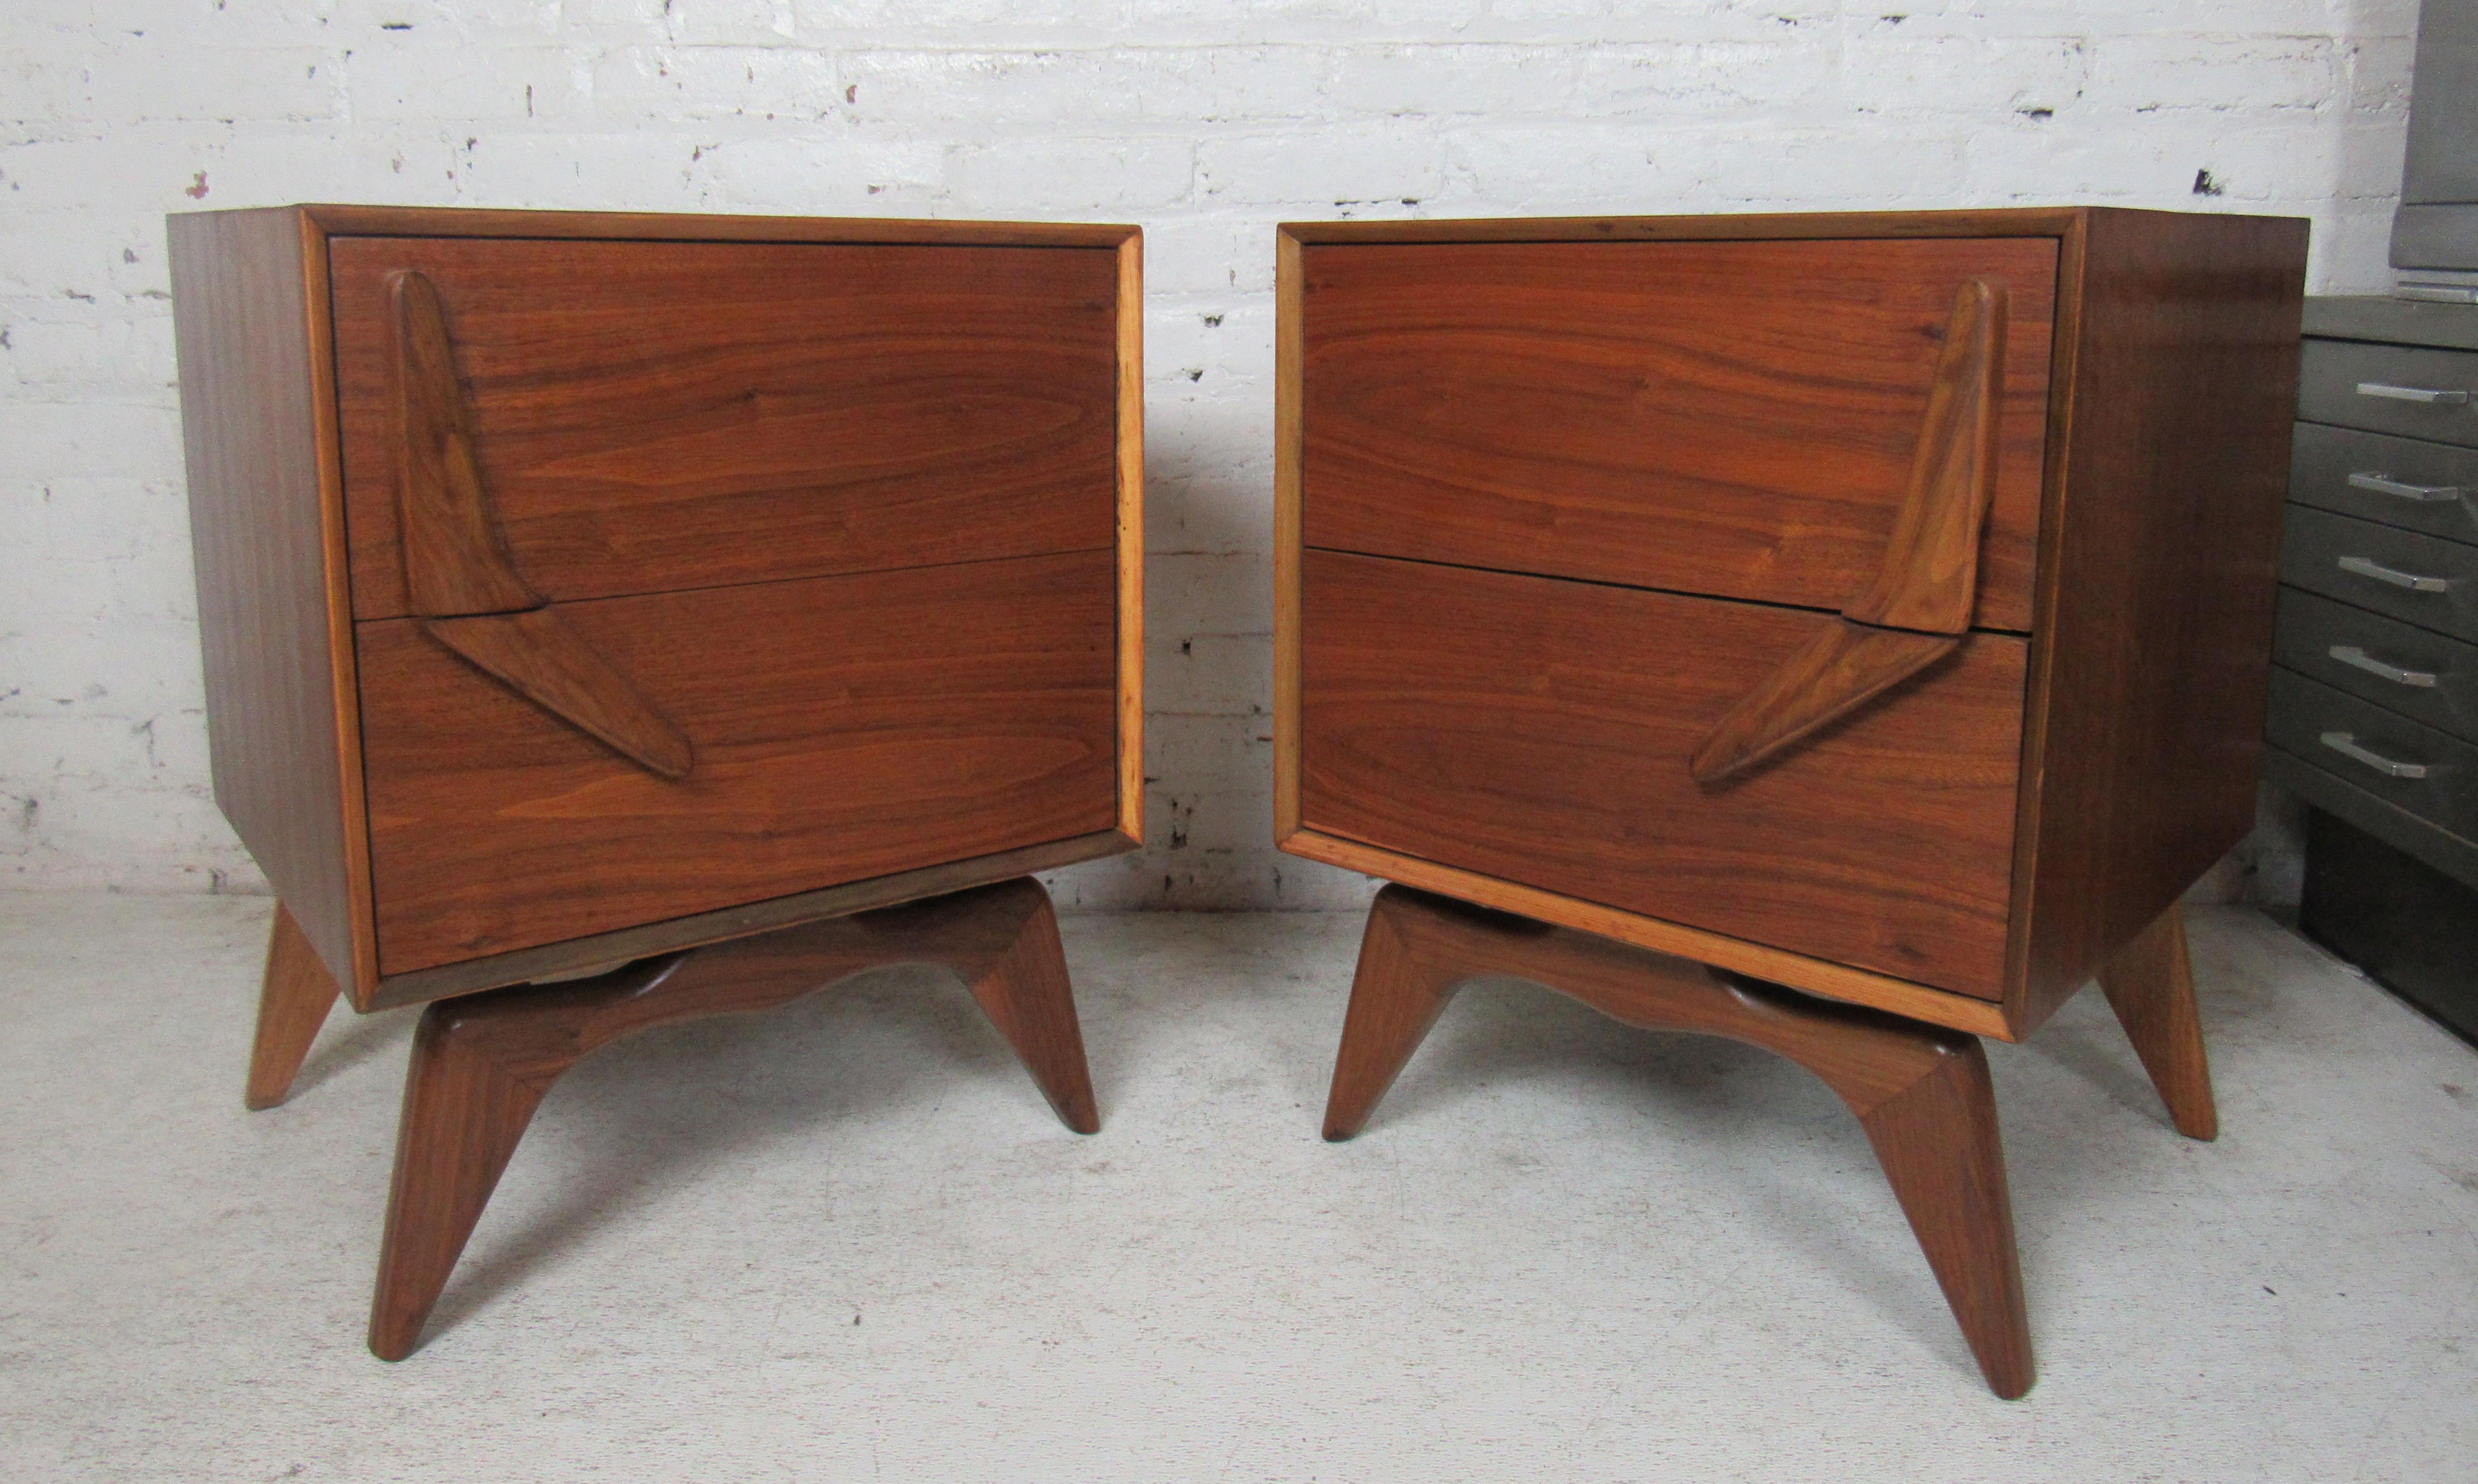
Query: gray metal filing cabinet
[2374, 693]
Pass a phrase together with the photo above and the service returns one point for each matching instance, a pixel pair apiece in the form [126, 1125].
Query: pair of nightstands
[1845, 633]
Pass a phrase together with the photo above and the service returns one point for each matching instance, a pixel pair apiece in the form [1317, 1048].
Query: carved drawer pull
[1918, 606]
[464, 582]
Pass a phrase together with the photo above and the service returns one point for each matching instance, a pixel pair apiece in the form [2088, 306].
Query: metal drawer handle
[2345, 743]
[2425, 396]
[2369, 566]
[2351, 654]
[2385, 484]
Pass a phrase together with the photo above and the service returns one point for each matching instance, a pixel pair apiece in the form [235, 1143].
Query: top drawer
[656, 415]
[1727, 417]
[2390, 389]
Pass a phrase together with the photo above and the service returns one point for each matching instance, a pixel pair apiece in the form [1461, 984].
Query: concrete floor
[848, 1241]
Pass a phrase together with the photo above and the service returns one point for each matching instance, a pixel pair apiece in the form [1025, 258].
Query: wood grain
[1128, 317]
[2035, 221]
[293, 1000]
[1290, 534]
[363, 220]
[650, 416]
[1737, 955]
[482, 1065]
[1928, 578]
[2149, 985]
[2157, 580]
[1922, 1093]
[1843, 667]
[846, 728]
[456, 559]
[266, 533]
[544, 659]
[1736, 419]
[1538, 731]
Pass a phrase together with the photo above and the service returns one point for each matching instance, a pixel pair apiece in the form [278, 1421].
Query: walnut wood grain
[2159, 576]
[1841, 668]
[267, 537]
[1737, 418]
[656, 415]
[293, 1001]
[482, 1065]
[544, 659]
[357, 219]
[1922, 1093]
[1537, 731]
[1737, 955]
[1929, 579]
[456, 560]
[1927, 582]
[2149, 985]
[846, 728]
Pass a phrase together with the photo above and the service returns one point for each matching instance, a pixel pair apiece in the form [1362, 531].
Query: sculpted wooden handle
[464, 583]
[1918, 606]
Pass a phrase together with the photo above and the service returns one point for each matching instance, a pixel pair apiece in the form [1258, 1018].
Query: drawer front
[650, 416]
[1734, 418]
[1539, 731]
[2422, 675]
[2431, 583]
[2405, 482]
[2408, 390]
[843, 728]
[2413, 767]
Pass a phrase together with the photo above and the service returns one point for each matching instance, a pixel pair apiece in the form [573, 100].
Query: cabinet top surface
[1995, 222]
[348, 221]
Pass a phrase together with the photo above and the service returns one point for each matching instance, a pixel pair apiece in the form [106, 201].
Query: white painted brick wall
[1206, 120]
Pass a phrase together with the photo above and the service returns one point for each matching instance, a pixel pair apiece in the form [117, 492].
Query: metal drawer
[2418, 579]
[2415, 767]
[2390, 389]
[2425, 677]
[2405, 482]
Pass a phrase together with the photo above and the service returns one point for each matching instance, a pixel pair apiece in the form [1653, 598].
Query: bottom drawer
[1538, 730]
[2404, 763]
[843, 728]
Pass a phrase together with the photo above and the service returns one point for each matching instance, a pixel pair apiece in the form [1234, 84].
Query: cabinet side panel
[249, 420]
[2159, 580]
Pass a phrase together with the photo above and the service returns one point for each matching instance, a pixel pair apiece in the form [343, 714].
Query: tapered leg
[1937, 1141]
[1026, 994]
[1921, 1093]
[1396, 997]
[2149, 985]
[481, 1065]
[292, 1003]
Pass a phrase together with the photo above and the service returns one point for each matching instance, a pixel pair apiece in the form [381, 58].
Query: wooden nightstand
[579, 591]
[1876, 606]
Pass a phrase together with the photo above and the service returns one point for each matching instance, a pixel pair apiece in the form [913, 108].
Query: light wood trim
[1813, 976]
[2009, 221]
[1132, 534]
[2072, 253]
[565, 959]
[1290, 455]
[338, 221]
[362, 984]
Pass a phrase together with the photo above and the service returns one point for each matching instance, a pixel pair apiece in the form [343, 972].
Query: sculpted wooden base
[1921, 1091]
[481, 1064]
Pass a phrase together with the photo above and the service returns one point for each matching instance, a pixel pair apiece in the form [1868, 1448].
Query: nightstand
[1872, 607]
[581, 591]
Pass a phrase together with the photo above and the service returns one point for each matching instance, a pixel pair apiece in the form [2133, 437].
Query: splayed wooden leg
[481, 1065]
[292, 1003]
[2149, 985]
[1921, 1091]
